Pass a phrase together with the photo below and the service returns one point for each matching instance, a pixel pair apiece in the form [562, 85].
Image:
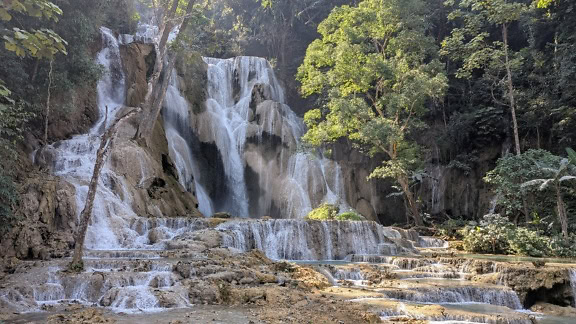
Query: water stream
[258, 138]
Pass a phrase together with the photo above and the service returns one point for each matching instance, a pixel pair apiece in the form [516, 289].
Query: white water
[176, 114]
[75, 158]
[289, 182]
[290, 239]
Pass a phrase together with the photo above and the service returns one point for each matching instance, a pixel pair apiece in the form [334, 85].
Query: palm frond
[565, 178]
[545, 184]
[563, 165]
[571, 155]
[533, 182]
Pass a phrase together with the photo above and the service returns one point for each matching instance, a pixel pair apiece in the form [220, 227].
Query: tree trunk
[160, 48]
[561, 212]
[77, 263]
[48, 103]
[411, 200]
[510, 88]
[153, 103]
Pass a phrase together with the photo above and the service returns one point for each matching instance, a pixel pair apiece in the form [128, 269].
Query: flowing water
[74, 159]
[176, 114]
[257, 136]
[291, 239]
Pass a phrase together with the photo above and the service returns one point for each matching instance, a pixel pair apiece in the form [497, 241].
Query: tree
[375, 70]
[39, 44]
[556, 177]
[510, 173]
[12, 120]
[106, 142]
[477, 49]
[158, 84]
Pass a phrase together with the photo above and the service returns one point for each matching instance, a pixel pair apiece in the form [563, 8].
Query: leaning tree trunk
[510, 89]
[561, 209]
[77, 263]
[411, 200]
[156, 94]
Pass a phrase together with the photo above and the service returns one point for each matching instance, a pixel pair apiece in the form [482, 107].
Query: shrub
[529, 243]
[451, 229]
[8, 198]
[350, 216]
[562, 247]
[491, 236]
[496, 234]
[324, 212]
[330, 212]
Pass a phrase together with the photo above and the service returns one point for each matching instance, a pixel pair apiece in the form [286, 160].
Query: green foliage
[496, 234]
[350, 216]
[38, 43]
[563, 247]
[511, 172]
[451, 229]
[324, 212]
[376, 73]
[528, 243]
[472, 43]
[332, 212]
[12, 123]
[491, 236]
[12, 119]
[8, 199]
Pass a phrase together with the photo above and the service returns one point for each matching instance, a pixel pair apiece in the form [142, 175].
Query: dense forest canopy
[409, 82]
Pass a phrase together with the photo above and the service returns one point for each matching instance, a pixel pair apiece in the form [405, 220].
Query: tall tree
[158, 84]
[106, 142]
[375, 70]
[477, 49]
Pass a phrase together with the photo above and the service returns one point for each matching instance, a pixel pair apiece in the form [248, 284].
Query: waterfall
[177, 124]
[440, 295]
[258, 138]
[75, 158]
[306, 240]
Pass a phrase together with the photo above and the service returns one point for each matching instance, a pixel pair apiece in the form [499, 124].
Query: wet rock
[203, 292]
[88, 316]
[209, 237]
[554, 310]
[223, 215]
[310, 278]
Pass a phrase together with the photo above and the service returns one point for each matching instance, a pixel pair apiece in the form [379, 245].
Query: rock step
[134, 265]
[500, 296]
[124, 254]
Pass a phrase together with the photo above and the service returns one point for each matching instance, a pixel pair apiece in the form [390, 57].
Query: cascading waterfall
[247, 119]
[75, 158]
[307, 240]
[177, 124]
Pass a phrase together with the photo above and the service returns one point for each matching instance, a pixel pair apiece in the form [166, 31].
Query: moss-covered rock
[193, 73]
[324, 212]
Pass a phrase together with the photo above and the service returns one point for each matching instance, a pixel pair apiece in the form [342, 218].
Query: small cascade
[348, 274]
[326, 273]
[122, 289]
[432, 242]
[306, 240]
[500, 296]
